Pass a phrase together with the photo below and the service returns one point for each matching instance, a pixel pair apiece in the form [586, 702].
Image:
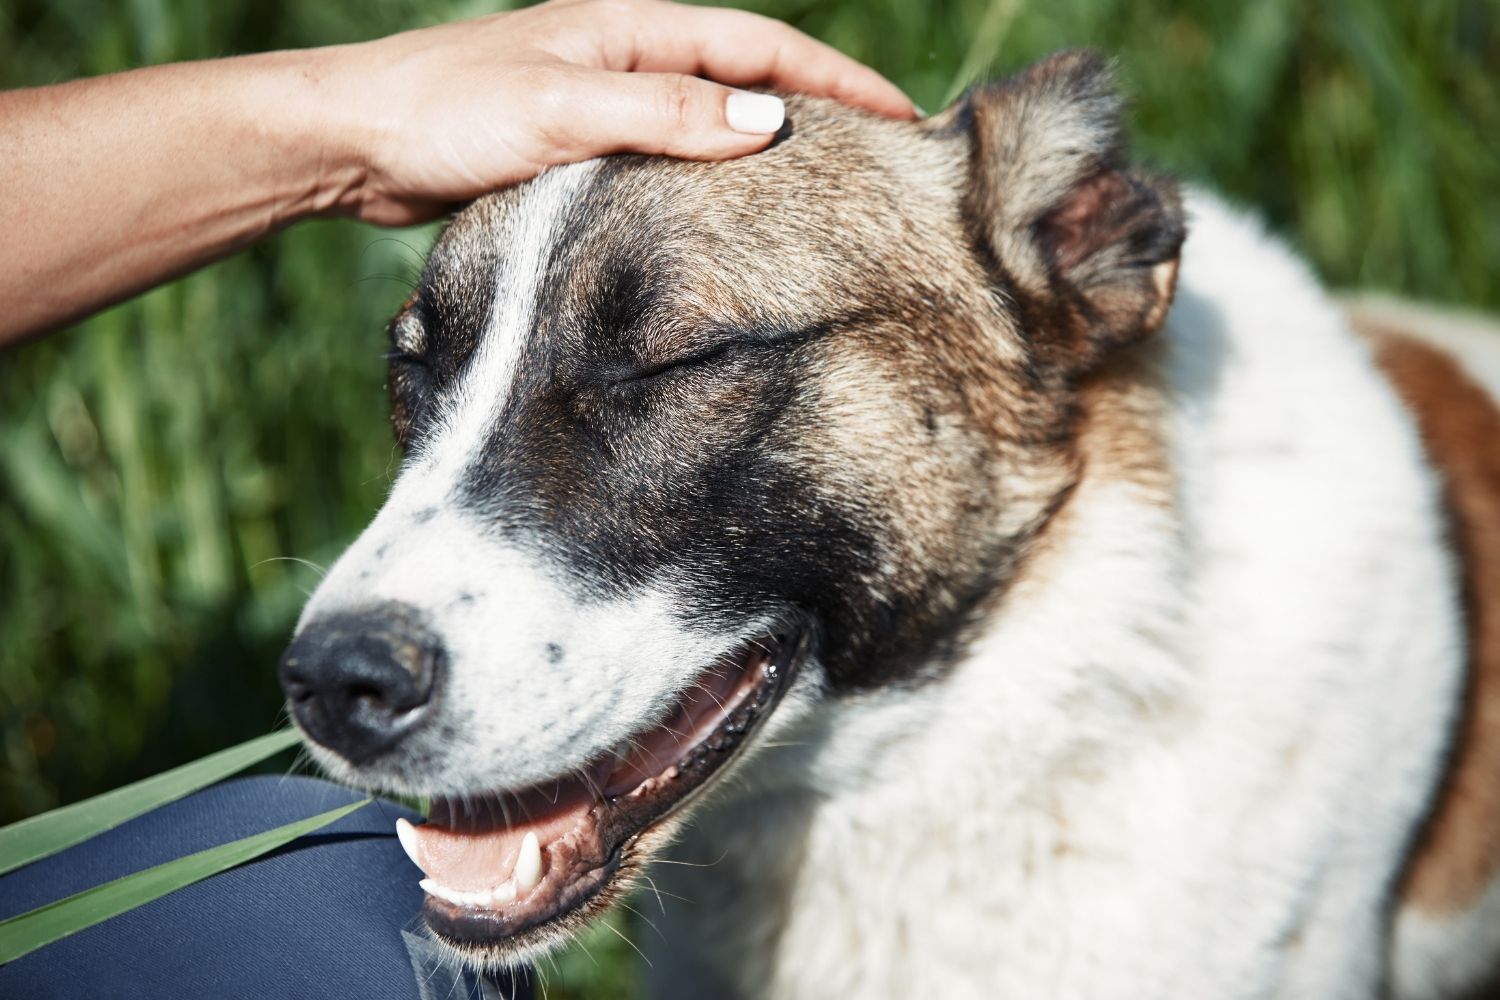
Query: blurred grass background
[165, 469]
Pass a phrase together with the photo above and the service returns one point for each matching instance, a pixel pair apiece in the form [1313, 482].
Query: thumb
[662, 113]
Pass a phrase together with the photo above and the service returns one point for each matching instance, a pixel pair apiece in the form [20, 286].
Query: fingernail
[918, 109]
[757, 114]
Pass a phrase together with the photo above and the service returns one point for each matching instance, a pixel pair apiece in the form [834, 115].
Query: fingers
[740, 48]
[464, 108]
[596, 112]
[743, 49]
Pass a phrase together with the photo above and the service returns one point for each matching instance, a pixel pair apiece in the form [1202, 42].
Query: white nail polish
[757, 114]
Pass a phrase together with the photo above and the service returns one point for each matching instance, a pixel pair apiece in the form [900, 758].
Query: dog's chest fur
[1187, 753]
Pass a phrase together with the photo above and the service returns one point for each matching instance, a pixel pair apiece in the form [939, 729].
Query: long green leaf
[33, 929]
[35, 838]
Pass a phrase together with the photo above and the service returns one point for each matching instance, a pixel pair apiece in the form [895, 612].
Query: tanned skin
[119, 183]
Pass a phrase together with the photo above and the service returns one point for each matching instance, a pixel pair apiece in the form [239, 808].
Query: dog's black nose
[359, 681]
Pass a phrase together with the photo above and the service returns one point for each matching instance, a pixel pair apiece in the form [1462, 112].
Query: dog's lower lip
[568, 847]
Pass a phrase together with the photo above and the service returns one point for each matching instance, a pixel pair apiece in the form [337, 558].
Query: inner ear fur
[1087, 245]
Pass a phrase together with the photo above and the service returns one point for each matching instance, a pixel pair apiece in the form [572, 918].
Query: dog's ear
[1088, 246]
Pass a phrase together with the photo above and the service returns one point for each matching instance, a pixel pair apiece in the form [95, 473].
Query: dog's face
[684, 438]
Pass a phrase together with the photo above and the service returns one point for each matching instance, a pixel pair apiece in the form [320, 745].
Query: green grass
[164, 467]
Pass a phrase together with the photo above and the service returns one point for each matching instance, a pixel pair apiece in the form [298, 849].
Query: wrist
[311, 134]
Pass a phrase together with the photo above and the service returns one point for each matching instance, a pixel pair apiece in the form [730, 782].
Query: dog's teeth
[407, 834]
[529, 863]
[441, 892]
[499, 895]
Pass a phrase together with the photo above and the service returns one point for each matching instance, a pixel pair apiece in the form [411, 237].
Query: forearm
[116, 184]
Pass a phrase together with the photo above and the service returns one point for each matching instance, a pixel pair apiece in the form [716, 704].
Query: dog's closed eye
[407, 359]
[727, 346]
[700, 359]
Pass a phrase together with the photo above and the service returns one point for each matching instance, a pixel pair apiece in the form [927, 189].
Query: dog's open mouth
[502, 864]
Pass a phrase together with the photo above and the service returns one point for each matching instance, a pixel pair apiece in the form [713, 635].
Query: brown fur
[1087, 244]
[1458, 853]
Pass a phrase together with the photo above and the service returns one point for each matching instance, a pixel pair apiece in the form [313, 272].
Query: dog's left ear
[1088, 246]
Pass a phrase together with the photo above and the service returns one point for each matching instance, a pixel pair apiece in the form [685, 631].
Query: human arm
[118, 183]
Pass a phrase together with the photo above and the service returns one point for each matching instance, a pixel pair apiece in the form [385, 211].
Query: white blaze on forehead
[418, 520]
[527, 240]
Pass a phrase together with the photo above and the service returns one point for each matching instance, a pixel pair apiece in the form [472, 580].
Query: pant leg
[331, 914]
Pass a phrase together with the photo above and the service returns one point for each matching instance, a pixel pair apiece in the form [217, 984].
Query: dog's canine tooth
[529, 863]
[407, 834]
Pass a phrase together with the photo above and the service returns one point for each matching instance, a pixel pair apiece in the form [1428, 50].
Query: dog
[877, 552]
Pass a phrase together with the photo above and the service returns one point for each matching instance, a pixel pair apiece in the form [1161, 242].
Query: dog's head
[682, 438]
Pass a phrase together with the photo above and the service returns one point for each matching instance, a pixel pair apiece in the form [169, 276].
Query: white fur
[526, 244]
[1186, 758]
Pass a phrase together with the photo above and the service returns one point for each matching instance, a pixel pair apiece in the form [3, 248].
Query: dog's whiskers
[660, 892]
[617, 933]
[649, 922]
[322, 571]
[706, 690]
[691, 864]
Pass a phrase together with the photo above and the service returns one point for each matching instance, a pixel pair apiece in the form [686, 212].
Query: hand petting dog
[129, 180]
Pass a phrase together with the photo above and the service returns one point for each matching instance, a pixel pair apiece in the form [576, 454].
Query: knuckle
[552, 105]
[678, 100]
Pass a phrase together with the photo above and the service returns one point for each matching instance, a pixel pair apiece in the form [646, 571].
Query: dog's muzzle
[359, 681]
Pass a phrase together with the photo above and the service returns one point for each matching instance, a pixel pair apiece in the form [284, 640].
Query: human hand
[431, 117]
[130, 179]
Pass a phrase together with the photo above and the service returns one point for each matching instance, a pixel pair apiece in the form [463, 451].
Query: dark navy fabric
[332, 914]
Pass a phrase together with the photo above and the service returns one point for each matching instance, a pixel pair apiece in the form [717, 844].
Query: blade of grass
[34, 929]
[36, 838]
[986, 45]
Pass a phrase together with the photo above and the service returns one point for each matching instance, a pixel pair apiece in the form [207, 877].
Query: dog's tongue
[478, 845]
[463, 861]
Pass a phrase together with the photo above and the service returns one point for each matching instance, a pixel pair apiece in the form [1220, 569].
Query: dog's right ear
[1087, 246]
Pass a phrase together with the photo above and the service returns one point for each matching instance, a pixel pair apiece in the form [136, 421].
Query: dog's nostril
[359, 681]
[367, 696]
